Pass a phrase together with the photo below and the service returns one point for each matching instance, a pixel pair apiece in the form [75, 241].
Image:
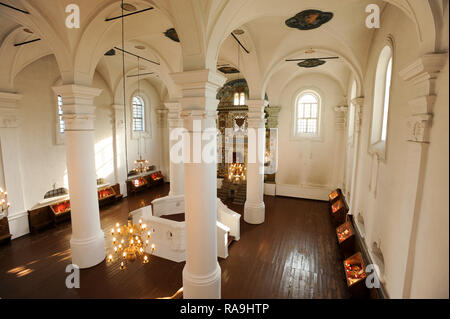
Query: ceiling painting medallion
[228, 70]
[309, 19]
[172, 34]
[311, 63]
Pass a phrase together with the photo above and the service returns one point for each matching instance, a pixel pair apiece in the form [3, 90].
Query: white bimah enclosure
[169, 236]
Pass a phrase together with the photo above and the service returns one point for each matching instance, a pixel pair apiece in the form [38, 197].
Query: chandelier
[237, 173]
[130, 243]
[4, 204]
[141, 165]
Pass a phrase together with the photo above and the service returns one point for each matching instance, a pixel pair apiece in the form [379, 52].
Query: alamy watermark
[73, 279]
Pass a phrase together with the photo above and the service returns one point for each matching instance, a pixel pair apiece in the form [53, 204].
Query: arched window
[239, 98]
[61, 124]
[307, 114]
[138, 114]
[381, 99]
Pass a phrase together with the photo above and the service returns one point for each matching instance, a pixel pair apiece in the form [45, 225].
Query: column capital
[272, 116]
[341, 118]
[9, 110]
[256, 115]
[358, 102]
[78, 106]
[199, 89]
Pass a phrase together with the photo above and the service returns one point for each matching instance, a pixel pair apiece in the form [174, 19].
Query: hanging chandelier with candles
[130, 243]
[4, 204]
[237, 173]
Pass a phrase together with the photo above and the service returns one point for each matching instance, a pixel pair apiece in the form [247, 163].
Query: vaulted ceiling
[204, 28]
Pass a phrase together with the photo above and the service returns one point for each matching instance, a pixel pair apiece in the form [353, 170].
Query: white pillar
[201, 274]
[176, 168]
[120, 158]
[254, 208]
[10, 155]
[161, 124]
[87, 243]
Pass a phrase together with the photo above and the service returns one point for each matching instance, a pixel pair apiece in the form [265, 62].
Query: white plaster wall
[150, 142]
[430, 274]
[43, 161]
[309, 163]
[380, 192]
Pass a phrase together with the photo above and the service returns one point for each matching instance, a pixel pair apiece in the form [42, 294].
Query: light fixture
[239, 95]
[237, 173]
[4, 204]
[130, 243]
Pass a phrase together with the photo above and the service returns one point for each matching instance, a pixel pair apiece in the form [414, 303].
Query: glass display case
[334, 195]
[346, 238]
[339, 210]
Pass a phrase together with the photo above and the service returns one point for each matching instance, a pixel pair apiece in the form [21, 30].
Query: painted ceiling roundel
[311, 63]
[309, 19]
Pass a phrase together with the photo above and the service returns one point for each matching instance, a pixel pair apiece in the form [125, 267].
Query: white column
[10, 154]
[87, 243]
[119, 148]
[176, 168]
[254, 208]
[201, 274]
[358, 104]
[161, 123]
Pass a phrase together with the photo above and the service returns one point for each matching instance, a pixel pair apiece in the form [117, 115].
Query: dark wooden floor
[292, 255]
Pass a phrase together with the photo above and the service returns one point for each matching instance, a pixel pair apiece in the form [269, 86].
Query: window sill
[306, 137]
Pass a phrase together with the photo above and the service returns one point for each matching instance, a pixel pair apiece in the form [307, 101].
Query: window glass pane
[300, 110]
[314, 110]
[386, 100]
[301, 124]
[242, 99]
[307, 110]
[236, 98]
[138, 114]
[308, 98]
[61, 123]
[311, 126]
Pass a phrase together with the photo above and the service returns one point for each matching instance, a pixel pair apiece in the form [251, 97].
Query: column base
[89, 252]
[202, 287]
[254, 213]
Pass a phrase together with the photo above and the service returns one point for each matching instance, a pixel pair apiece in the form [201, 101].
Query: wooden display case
[338, 211]
[5, 236]
[346, 238]
[61, 211]
[54, 212]
[334, 195]
[355, 276]
[143, 182]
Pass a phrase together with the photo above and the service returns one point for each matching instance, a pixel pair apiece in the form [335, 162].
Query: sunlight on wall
[104, 158]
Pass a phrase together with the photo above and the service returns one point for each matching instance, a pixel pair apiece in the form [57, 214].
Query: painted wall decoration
[172, 34]
[311, 63]
[309, 19]
[226, 93]
[228, 70]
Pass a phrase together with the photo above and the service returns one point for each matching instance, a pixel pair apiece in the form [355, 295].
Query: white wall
[310, 168]
[43, 161]
[380, 190]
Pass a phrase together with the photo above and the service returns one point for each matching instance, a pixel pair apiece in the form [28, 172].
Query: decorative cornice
[421, 75]
[256, 116]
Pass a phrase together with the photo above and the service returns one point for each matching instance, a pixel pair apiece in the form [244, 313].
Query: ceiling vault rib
[14, 8]
[128, 14]
[242, 46]
[137, 56]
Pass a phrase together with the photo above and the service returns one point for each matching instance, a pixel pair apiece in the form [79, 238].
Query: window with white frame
[138, 114]
[307, 114]
[61, 124]
[381, 97]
